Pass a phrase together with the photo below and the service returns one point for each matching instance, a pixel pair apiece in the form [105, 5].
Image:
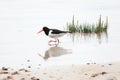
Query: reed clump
[99, 27]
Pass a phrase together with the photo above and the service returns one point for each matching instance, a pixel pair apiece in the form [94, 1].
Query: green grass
[100, 27]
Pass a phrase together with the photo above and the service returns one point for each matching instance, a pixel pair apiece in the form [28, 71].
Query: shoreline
[88, 71]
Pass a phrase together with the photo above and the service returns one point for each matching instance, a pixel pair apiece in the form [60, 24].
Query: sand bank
[88, 71]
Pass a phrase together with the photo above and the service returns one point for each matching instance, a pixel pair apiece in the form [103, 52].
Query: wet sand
[88, 71]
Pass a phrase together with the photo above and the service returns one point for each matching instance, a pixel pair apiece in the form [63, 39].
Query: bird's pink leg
[57, 40]
[51, 41]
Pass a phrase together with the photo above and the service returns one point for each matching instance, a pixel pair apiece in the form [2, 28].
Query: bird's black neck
[46, 30]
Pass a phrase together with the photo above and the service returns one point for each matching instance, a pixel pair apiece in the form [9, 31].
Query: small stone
[86, 74]
[22, 79]
[94, 75]
[9, 77]
[3, 68]
[29, 66]
[109, 64]
[44, 73]
[34, 78]
[14, 73]
[94, 63]
[23, 70]
[88, 63]
[39, 64]
[102, 73]
[28, 60]
[102, 65]
[4, 72]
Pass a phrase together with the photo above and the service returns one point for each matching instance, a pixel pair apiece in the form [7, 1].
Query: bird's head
[45, 29]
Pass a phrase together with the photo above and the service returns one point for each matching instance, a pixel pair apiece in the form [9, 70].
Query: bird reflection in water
[55, 52]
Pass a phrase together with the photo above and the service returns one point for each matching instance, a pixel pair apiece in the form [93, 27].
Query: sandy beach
[88, 71]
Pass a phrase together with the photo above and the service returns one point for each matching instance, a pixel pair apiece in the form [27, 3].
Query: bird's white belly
[56, 35]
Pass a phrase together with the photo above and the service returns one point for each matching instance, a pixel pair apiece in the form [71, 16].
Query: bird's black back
[56, 31]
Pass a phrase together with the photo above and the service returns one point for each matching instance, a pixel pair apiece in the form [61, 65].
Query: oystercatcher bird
[53, 33]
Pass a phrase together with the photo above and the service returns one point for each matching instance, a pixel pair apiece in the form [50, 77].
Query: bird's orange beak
[39, 31]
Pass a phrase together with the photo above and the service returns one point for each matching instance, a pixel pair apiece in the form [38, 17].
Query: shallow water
[20, 21]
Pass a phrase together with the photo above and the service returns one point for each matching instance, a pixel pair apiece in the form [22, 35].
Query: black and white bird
[53, 33]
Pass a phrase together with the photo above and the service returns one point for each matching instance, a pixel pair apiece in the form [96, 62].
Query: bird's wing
[56, 31]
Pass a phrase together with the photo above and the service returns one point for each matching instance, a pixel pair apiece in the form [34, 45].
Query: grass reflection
[87, 36]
